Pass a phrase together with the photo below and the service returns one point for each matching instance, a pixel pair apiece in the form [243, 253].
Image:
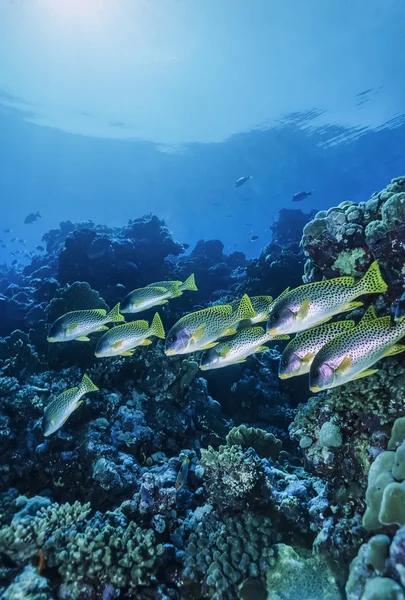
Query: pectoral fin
[344, 365]
[303, 309]
[145, 343]
[229, 331]
[261, 349]
[198, 333]
[72, 327]
[103, 328]
[396, 349]
[224, 351]
[365, 373]
[127, 353]
[351, 305]
[82, 338]
[309, 357]
[117, 345]
[208, 346]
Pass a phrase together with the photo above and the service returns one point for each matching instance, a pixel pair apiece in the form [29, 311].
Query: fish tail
[189, 285]
[156, 327]
[372, 282]
[114, 315]
[87, 385]
[245, 309]
[38, 215]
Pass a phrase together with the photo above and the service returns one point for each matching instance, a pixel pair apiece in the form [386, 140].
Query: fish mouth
[315, 388]
[170, 352]
[98, 355]
[284, 376]
[272, 331]
[50, 339]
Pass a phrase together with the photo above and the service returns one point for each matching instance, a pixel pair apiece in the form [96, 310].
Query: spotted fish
[350, 355]
[316, 303]
[78, 324]
[123, 339]
[61, 407]
[155, 294]
[201, 329]
[300, 352]
[246, 342]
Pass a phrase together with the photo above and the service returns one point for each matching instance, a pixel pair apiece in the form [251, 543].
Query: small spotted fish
[316, 303]
[201, 329]
[182, 475]
[155, 294]
[350, 355]
[78, 324]
[123, 339]
[61, 407]
[246, 342]
[300, 352]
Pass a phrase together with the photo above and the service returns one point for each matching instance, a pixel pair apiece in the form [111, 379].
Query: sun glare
[85, 9]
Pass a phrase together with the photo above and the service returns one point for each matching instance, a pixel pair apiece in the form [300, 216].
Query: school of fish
[329, 353]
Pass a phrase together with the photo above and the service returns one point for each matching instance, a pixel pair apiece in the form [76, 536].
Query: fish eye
[284, 362]
[171, 338]
[274, 316]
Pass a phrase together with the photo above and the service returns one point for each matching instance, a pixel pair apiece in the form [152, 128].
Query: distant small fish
[301, 196]
[21, 241]
[12, 253]
[246, 199]
[60, 409]
[254, 238]
[186, 246]
[249, 224]
[228, 216]
[242, 180]
[182, 474]
[40, 248]
[216, 203]
[14, 240]
[3, 246]
[14, 262]
[31, 218]
[7, 230]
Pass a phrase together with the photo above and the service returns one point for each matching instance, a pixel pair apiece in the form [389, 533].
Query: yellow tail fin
[189, 285]
[114, 315]
[372, 282]
[245, 309]
[87, 385]
[157, 328]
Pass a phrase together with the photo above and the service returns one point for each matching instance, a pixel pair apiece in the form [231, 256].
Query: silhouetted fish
[242, 180]
[400, 308]
[40, 248]
[301, 196]
[7, 231]
[31, 218]
[254, 238]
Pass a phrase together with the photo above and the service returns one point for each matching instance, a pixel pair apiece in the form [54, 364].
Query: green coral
[385, 496]
[82, 550]
[368, 565]
[28, 586]
[348, 261]
[330, 435]
[299, 574]
[264, 443]
[223, 557]
[383, 588]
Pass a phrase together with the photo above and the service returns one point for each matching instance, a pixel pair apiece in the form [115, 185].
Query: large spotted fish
[314, 303]
[78, 324]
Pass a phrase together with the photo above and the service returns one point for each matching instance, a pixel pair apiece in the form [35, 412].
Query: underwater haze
[202, 306]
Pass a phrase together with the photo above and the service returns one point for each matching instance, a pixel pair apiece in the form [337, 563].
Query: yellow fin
[117, 345]
[114, 315]
[372, 282]
[245, 309]
[99, 311]
[396, 349]
[303, 309]
[351, 305]
[103, 328]
[189, 285]
[309, 357]
[208, 346]
[224, 351]
[261, 349]
[369, 315]
[87, 385]
[229, 331]
[127, 353]
[282, 336]
[82, 338]
[141, 324]
[364, 373]
[72, 327]
[344, 365]
[166, 301]
[145, 343]
[198, 333]
[156, 327]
